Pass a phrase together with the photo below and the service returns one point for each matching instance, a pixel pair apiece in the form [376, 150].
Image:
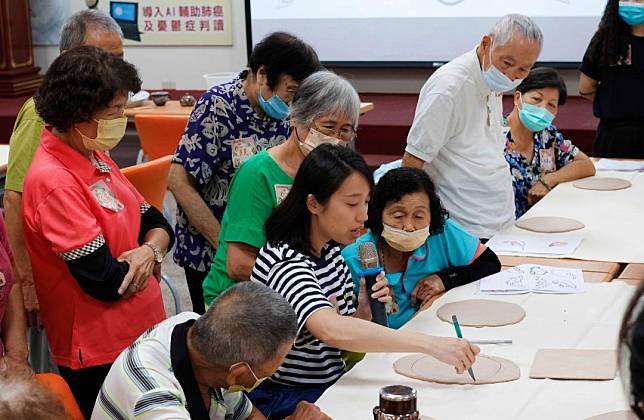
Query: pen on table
[459, 334]
[479, 342]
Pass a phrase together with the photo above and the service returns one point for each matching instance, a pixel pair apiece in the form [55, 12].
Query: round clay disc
[482, 313]
[486, 369]
[615, 415]
[602, 184]
[549, 224]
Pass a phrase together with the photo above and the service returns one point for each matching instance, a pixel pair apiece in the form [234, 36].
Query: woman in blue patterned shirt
[539, 155]
[230, 123]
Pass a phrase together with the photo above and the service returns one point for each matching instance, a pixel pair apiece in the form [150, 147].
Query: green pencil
[459, 334]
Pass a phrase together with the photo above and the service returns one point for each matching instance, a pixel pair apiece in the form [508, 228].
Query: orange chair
[159, 134]
[151, 180]
[59, 387]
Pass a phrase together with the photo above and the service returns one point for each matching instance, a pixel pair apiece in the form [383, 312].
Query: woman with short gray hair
[325, 109]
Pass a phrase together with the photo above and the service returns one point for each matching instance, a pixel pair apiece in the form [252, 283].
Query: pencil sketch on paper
[534, 278]
[557, 244]
[515, 281]
[531, 244]
[514, 244]
[538, 270]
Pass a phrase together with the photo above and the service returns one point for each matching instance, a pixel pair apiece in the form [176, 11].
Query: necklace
[381, 256]
[403, 269]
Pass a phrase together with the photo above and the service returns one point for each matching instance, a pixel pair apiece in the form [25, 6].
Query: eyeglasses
[344, 134]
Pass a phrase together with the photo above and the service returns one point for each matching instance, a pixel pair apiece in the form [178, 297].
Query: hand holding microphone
[373, 275]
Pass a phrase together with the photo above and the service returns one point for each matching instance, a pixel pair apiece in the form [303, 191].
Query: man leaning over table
[88, 27]
[201, 367]
[457, 132]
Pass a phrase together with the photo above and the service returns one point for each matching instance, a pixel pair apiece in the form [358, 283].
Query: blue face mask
[632, 13]
[275, 107]
[535, 118]
[496, 80]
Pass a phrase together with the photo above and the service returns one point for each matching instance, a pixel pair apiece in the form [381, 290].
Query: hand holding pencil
[457, 352]
[459, 334]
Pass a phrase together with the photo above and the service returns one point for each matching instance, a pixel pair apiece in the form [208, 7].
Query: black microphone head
[368, 255]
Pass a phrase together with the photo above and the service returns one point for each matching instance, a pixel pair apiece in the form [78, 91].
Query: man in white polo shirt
[192, 367]
[457, 132]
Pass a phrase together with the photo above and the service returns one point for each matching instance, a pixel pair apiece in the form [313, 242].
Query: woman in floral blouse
[539, 156]
[230, 123]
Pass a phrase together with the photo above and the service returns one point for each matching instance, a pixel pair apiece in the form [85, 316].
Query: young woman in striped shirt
[327, 206]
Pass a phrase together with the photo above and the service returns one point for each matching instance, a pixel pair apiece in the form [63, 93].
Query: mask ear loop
[297, 134]
[489, 55]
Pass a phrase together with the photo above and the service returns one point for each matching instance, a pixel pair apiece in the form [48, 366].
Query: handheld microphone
[370, 270]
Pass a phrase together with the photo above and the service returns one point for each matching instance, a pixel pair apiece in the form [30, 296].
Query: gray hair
[325, 93]
[510, 25]
[74, 31]
[23, 397]
[247, 323]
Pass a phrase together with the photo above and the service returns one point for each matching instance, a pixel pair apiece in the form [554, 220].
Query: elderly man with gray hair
[457, 134]
[88, 27]
[192, 367]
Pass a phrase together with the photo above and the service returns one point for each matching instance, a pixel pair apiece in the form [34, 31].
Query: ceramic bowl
[160, 98]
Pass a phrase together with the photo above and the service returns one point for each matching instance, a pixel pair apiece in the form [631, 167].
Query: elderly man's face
[243, 374]
[268, 369]
[109, 42]
[515, 59]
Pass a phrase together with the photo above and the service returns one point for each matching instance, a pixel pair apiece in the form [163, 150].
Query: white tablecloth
[614, 219]
[590, 320]
[4, 154]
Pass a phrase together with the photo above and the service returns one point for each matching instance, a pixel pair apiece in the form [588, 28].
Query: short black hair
[282, 53]
[545, 77]
[397, 183]
[80, 83]
[321, 174]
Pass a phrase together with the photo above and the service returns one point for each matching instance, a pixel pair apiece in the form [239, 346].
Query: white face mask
[404, 241]
[314, 139]
[496, 80]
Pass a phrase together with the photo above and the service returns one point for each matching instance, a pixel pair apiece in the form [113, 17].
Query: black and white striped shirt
[308, 284]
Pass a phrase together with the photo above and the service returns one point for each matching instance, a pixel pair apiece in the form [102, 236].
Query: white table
[590, 320]
[4, 157]
[614, 219]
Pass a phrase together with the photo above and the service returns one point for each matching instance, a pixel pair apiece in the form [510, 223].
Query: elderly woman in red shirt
[93, 240]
